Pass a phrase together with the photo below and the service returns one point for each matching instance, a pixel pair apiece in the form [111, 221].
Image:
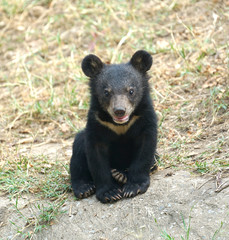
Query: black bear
[113, 155]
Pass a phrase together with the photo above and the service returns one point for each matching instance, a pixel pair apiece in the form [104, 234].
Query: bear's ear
[91, 65]
[142, 61]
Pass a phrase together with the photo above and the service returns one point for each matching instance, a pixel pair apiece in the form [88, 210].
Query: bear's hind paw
[133, 189]
[83, 191]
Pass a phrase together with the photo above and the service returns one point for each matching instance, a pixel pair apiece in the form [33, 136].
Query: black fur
[105, 144]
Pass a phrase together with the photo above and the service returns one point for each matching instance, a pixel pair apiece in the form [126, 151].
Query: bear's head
[119, 88]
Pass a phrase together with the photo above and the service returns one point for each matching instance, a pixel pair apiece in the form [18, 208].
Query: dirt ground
[172, 198]
[177, 204]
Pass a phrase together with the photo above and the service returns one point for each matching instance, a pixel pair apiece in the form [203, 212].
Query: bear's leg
[81, 179]
[121, 175]
[138, 179]
[107, 189]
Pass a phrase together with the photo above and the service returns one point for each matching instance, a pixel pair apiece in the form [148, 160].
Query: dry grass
[44, 95]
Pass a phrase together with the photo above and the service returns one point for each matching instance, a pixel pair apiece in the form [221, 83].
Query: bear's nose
[119, 112]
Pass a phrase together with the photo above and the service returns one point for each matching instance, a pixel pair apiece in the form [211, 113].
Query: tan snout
[120, 108]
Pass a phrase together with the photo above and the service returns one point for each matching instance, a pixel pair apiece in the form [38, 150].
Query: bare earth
[172, 198]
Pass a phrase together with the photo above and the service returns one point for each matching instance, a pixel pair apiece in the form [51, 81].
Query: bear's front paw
[109, 195]
[133, 189]
[119, 176]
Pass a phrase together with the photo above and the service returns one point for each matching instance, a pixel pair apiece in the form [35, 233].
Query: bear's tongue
[121, 120]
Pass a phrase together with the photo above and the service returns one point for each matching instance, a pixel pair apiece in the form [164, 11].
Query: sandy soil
[172, 198]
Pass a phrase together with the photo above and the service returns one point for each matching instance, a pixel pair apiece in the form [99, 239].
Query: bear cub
[113, 155]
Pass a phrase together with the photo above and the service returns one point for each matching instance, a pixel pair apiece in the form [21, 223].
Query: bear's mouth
[121, 120]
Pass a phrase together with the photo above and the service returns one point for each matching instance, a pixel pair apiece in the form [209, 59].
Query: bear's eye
[131, 91]
[106, 93]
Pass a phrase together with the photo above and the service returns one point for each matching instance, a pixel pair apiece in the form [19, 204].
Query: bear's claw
[84, 190]
[119, 176]
[110, 196]
[133, 189]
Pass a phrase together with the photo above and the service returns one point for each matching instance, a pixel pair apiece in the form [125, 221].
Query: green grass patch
[35, 175]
